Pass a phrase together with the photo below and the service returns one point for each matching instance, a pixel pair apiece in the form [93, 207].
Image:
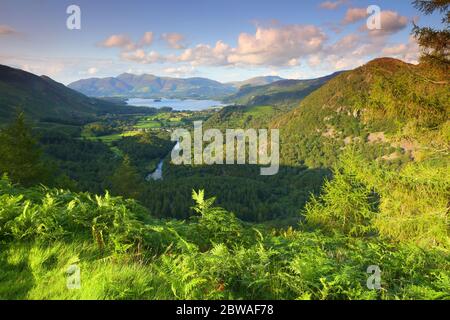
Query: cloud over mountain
[275, 46]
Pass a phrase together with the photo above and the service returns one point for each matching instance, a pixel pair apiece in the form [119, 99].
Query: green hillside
[392, 214]
[243, 117]
[124, 253]
[281, 93]
[41, 98]
[387, 108]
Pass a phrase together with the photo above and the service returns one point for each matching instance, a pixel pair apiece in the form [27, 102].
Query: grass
[124, 253]
[34, 271]
[148, 124]
[164, 120]
[113, 137]
[260, 111]
[242, 117]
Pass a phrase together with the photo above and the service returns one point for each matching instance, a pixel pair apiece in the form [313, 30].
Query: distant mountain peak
[151, 86]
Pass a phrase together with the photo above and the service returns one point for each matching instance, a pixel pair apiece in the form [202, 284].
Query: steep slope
[42, 98]
[281, 92]
[39, 96]
[256, 107]
[386, 107]
[150, 86]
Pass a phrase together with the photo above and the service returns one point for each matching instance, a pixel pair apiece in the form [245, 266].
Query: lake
[175, 104]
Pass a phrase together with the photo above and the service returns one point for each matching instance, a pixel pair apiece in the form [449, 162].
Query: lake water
[175, 104]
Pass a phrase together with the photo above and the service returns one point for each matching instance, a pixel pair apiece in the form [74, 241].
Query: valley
[95, 205]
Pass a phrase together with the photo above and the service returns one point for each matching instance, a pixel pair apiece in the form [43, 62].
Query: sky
[225, 40]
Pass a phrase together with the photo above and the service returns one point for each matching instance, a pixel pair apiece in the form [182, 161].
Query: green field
[112, 137]
[260, 111]
[148, 124]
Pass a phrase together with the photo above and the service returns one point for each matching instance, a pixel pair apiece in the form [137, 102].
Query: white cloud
[277, 46]
[391, 22]
[118, 41]
[348, 52]
[147, 39]
[52, 70]
[332, 5]
[282, 47]
[354, 14]
[92, 71]
[345, 44]
[408, 52]
[174, 40]
[180, 71]
[125, 43]
[271, 46]
[204, 54]
[139, 55]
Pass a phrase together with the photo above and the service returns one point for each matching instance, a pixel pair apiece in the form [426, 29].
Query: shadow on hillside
[237, 188]
[16, 278]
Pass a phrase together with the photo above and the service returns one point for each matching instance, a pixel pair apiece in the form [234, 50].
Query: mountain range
[373, 95]
[151, 86]
[40, 97]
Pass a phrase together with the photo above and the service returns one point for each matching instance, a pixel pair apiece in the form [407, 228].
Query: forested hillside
[366, 216]
[88, 188]
[387, 108]
[388, 212]
[282, 93]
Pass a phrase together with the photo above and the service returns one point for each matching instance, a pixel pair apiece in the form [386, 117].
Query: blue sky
[226, 40]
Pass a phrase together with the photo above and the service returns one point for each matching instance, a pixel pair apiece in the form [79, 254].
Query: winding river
[158, 173]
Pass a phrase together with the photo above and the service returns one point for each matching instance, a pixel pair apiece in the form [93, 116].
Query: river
[158, 173]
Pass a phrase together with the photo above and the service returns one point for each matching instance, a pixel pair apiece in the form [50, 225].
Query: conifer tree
[435, 43]
[126, 181]
[20, 155]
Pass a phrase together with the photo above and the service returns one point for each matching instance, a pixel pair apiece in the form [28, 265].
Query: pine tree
[126, 181]
[435, 43]
[20, 154]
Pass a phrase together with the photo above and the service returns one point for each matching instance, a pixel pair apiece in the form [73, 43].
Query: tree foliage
[435, 43]
[20, 155]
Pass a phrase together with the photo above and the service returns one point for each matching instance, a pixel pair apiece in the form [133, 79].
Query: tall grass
[124, 253]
